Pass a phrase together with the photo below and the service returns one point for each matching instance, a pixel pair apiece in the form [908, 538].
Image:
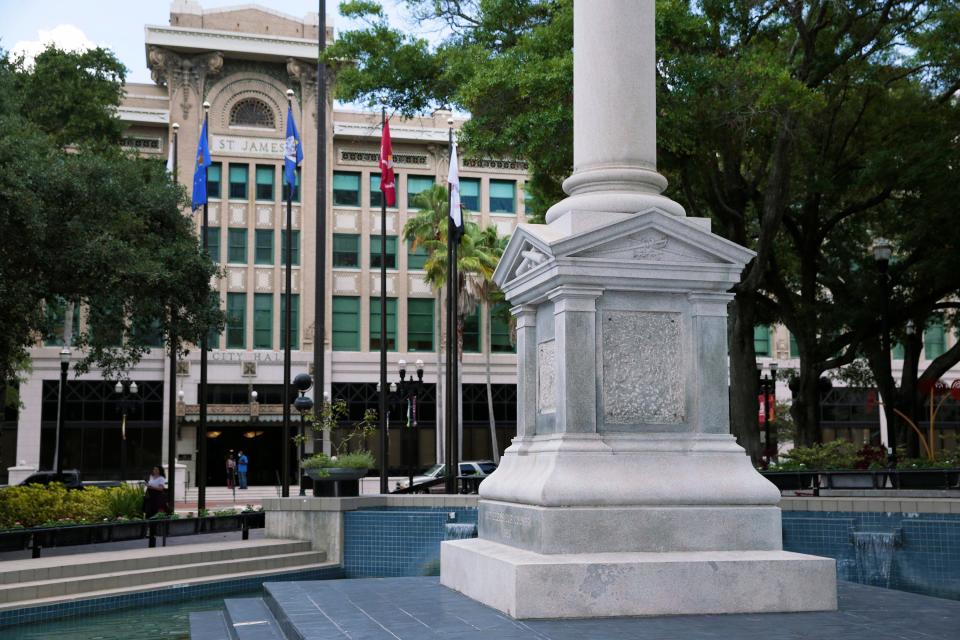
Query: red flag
[388, 184]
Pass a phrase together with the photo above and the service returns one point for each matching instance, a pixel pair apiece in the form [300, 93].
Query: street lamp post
[882, 252]
[127, 392]
[303, 404]
[64, 367]
[408, 390]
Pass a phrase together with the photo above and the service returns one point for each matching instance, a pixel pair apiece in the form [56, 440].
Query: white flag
[170, 158]
[453, 183]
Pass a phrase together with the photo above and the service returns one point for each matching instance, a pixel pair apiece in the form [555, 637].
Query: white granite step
[89, 595]
[87, 564]
[11, 593]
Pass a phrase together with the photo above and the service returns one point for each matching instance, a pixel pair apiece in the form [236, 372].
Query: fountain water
[874, 551]
[459, 531]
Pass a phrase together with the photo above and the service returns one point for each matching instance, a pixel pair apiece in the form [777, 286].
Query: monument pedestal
[524, 584]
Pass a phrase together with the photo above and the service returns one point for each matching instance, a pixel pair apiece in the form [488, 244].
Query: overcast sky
[26, 25]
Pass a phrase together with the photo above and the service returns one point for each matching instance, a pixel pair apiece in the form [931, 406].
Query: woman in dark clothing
[156, 498]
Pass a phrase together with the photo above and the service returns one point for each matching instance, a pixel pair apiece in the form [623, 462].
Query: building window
[263, 248]
[527, 198]
[376, 196]
[294, 321]
[761, 340]
[471, 332]
[214, 177]
[236, 321]
[56, 322]
[934, 340]
[265, 180]
[346, 189]
[346, 323]
[420, 324]
[375, 252]
[263, 321]
[251, 112]
[237, 246]
[794, 349]
[238, 181]
[346, 250]
[416, 185]
[500, 329]
[375, 324]
[416, 258]
[296, 186]
[295, 250]
[213, 243]
[502, 196]
[470, 193]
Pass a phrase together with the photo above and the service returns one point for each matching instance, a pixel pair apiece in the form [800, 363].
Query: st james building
[242, 60]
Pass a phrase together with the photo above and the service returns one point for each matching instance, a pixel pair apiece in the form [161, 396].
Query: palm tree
[477, 258]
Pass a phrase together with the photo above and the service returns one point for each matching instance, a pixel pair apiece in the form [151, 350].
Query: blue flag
[292, 153]
[200, 169]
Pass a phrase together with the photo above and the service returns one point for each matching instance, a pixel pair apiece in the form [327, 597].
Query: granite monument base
[524, 584]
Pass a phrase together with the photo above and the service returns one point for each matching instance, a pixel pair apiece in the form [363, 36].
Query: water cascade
[459, 531]
[874, 551]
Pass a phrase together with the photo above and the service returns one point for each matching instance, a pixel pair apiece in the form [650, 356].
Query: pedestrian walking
[231, 471]
[242, 469]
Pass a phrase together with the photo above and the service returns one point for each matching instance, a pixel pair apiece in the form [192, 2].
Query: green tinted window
[237, 246]
[263, 251]
[265, 181]
[470, 193]
[346, 323]
[502, 196]
[346, 250]
[294, 251]
[375, 324]
[238, 181]
[346, 189]
[213, 243]
[419, 324]
[471, 332]
[263, 321]
[214, 178]
[416, 184]
[761, 340]
[416, 258]
[236, 321]
[934, 341]
[500, 339]
[294, 321]
[375, 252]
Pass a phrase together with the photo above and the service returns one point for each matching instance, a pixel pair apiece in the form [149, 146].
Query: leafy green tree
[85, 223]
[797, 127]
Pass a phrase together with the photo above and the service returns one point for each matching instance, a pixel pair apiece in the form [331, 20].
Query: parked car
[478, 468]
[69, 478]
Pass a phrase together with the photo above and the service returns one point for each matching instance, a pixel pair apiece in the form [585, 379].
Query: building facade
[242, 61]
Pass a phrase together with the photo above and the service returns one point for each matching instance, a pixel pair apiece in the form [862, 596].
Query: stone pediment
[653, 236]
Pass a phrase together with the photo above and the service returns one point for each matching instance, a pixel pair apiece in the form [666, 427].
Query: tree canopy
[803, 129]
[84, 223]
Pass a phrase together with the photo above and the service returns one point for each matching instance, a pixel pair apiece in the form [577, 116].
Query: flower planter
[14, 540]
[850, 479]
[338, 483]
[127, 531]
[925, 478]
[79, 534]
[255, 519]
[791, 480]
[212, 524]
[180, 527]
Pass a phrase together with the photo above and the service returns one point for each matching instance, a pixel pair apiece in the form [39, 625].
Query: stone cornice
[188, 39]
[397, 132]
[144, 115]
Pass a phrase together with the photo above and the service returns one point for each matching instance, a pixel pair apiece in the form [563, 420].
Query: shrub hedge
[35, 505]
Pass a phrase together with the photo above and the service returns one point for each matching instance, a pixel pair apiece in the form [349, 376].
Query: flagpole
[288, 284]
[452, 341]
[320, 273]
[384, 442]
[201, 465]
[172, 391]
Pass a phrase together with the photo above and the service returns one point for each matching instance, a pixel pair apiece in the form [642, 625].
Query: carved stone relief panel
[345, 221]
[264, 280]
[213, 213]
[346, 283]
[237, 279]
[547, 377]
[264, 216]
[238, 215]
[643, 373]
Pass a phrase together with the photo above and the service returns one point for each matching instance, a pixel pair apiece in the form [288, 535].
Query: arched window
[251, 112]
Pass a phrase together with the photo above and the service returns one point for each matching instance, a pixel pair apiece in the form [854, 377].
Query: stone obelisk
[624, 492]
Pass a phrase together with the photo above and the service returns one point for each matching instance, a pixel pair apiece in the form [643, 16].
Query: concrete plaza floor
[416, 608]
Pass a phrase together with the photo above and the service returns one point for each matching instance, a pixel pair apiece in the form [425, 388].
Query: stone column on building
[624, 493]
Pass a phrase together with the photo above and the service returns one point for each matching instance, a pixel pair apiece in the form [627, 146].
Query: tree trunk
[744, 390]
[495, 448]
[806, 405]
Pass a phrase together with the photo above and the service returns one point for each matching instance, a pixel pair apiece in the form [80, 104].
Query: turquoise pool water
[167, 621]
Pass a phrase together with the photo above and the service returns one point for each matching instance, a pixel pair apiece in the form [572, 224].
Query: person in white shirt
[156, 498]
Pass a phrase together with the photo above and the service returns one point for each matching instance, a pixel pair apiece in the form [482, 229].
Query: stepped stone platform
[417, 608]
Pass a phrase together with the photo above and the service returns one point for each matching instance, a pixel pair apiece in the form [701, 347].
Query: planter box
[925, 479]
[255, 520]
[213, 524]
[80, 534]
[850, 479]
[339, 483]
[127, 531]
[181, 527]
[791, 480]
[14, 540]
